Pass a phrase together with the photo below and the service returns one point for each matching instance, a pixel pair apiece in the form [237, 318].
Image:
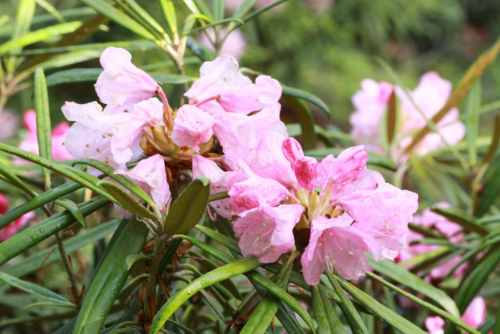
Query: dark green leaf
[392, 117]
[189, 207]
[302, 95]
[222, 239]
[495, 140]
[328, 321]
[111, 276]
[51, 9]
[215, 276]
[127, 201]
[306, 121]
[491, 189]
[199, 50]
[43, 124]
[34, 289]
[119, 17]
[131, 259]
[12, 178]
[472, 121]
[31, 236]
[73, 209]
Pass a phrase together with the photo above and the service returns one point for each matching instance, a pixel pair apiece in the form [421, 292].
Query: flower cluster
[428, 98]
[230, 132]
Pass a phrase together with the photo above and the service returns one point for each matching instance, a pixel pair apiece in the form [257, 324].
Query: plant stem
[67, 267]
[150, 289]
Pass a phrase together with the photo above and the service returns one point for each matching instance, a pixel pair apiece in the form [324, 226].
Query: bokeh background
[322, 46]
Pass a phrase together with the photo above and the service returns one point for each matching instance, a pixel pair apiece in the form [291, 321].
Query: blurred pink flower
[30, 144]
[9, 124]
[234, 45]
[435, 325]
[429, 96]
[11, 229]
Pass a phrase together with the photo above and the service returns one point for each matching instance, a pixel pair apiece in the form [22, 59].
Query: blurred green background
[324, 47]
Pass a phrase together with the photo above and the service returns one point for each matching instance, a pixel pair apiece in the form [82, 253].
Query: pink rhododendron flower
[335, 243]
[192, 126]
[474, 316]
[11, 229]
[122, 84]
[150, 175]
[435, 325]
[267, 232]
[9, 123]
[30, 144]
[235, 44]
[430, 96]
[221, 86]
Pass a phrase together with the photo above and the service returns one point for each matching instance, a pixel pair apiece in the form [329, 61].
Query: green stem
[151, 287]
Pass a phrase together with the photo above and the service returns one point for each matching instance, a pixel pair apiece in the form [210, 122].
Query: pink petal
[192, 126]
[475, 314]
[435, 325]
[306, 172]
[292, 150]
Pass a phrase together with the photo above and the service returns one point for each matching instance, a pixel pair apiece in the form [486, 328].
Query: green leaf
[34, 289]
[264, 314]
[132, 259]
[306, 121]
[50, 9]
[392, 117]
[295, 130]
[121, 179]
[215, 276]
[200, 50]
[222, 239]
[127, 201]
[300, 94]
[73, 174]
[34, 261]
[218, 7]
[495, 140]
[46, 304]
[11, 177]
[24, 17]
[169, 12]
[73, 209]
[408, 279]
[381, 311]
[119, 17]
[31, 236]
[259, 279]
[472, 121]
[434, 309]
[38, 35]
[476, 278]
[144, 16]
[91, 74]
[189, 207]
[169, 254]
[348, 310]
[111, 275]
[136, 45]
[214, 24]
[465, 220]
[328, 321]
[474, 72]
[245, 6]
[490, 190]
[43, 125]
[375, 159]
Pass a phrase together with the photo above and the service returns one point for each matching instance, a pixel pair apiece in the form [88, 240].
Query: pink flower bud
[292, 150]
[306, 172]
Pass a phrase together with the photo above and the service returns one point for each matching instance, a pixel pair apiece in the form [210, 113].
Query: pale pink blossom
[335, 243]
[9, 124]
[267, 232]
[427, 98]
[192, 126]
[435, 325]
[58, 136]
[122, 84]
[235, 43]
[150, 175]
[218, 182]
[221, 85]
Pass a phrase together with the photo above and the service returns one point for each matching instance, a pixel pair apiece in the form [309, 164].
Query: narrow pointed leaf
[119, 17]
[215, 276]
[491, 189]
[495, 140]
[189, 207]
[73, 209]
[46, 304]
[300, 94]
[222, 239]
[472, 120]
[43, 124]
[199, 50]
[328, 321]
[11, 177]
[24, 17]
[32, 235]
[408, 279]
[50, 9]
[245, 6]
[169, 12]
[348, 310]
[438, 311]
[144, 15]
[475, 71]
[306, 121]
[126, 200]
[218, 7]
[38, 35]
[465, 220]
[392, 117]
[111, 276]
[34, 289]
[132, 259]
